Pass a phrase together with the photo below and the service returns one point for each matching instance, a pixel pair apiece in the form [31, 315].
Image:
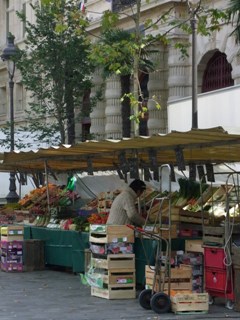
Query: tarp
[198, 146]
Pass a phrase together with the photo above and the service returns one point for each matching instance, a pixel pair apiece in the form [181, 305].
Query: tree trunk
[126, 109]
[69, 101]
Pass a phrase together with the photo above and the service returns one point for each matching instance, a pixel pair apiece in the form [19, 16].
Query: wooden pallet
[115, 292]
[190, 303]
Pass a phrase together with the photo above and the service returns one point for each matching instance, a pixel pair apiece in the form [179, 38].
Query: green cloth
[67, 249]
[62, 248]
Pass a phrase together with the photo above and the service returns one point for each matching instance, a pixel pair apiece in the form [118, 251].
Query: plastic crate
[214, 258]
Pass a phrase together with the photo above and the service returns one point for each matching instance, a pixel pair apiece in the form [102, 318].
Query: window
[86, 121]
[20, 97]
[120, 5]
[217, 74]
[9, 16]
[3, 101]
[24, 23]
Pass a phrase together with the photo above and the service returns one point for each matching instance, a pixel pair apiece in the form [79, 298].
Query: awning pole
[46, 174]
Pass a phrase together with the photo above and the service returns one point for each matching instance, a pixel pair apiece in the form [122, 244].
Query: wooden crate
[194, 217]
[87, 259]
[118, 277]
[220, 194]
[12, 233]
[162, 231]
[174, 213]
[110, 233]
[33, 255]
[236, 256]
[194, 246]
[236, 287]
[115, 292]
[180, 279]
[188, 303]
[114, 261]
[213, 235]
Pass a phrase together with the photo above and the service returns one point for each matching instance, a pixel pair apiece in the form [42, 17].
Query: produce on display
[61, 207]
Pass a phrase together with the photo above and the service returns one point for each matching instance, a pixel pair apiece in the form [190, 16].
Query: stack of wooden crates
[12, 248]
[112, 261]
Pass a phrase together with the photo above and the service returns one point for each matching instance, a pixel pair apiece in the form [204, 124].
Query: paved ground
[54, 295]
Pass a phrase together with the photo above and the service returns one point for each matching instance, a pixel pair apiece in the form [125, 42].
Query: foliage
[234, 18]
[124, 52]
[55, 69]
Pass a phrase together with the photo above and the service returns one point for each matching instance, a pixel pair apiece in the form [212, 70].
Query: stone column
[179, 79]
[157, 86]
[113, 127]
[98, 119]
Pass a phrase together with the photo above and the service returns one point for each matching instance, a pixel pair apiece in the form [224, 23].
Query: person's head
[138, 186]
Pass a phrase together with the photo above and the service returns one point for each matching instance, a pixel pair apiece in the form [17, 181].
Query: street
[55, 295]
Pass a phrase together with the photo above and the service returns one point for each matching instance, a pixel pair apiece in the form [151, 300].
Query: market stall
[129, 158]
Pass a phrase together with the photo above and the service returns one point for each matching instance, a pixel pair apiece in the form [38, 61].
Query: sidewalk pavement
[54, 295]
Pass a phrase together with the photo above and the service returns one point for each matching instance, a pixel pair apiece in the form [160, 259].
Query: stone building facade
[217, 64]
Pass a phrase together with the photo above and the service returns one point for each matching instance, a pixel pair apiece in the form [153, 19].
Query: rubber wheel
[230, 305]
[144, 298]
[211, 300]
[160, 302]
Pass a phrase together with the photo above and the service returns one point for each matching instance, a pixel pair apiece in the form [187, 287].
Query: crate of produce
[114, 261]
[11, 267]
[11, 257]
[11, 244]
[126, 291]
[110, 233]
[187, 303]
[12, 233]
[111, 248]
[220, 194]
[213, 236]
[194, 217]
[116, 276]
[180, 278]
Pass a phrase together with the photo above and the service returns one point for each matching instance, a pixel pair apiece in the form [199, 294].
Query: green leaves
[234, 17]
[55, 68]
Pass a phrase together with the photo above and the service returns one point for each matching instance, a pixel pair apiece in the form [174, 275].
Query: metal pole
[12, 196]
[194, 72]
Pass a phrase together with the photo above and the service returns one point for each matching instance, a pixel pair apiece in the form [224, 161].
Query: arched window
[217, 74]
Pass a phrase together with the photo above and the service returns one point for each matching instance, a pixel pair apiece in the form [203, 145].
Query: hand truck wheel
[211, 300]
[230, 304]
[144, 298]
[160, 302]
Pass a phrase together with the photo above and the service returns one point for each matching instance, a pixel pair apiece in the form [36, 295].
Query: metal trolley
[150, 299]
